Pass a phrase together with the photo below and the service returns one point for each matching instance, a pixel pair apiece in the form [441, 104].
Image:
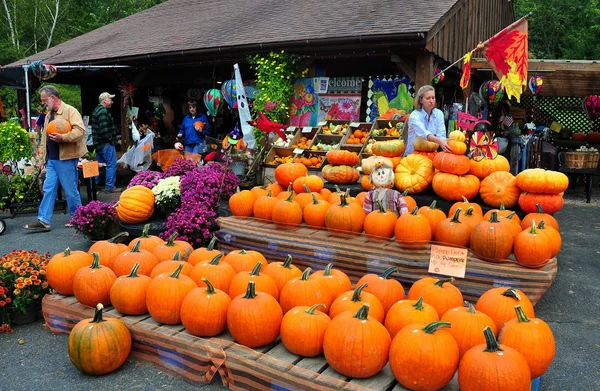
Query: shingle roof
[184, 25]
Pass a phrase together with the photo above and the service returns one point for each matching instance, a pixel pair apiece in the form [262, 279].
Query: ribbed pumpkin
[433, 214]
[336, 280]
[386, 289]
[500, 187]
[287, 213]
[260, 191]
[457, 147]
[340, 174]
[128, 293]
[491, 239]
[166, 251]
[412, 229]
[254, 319]
[484, 167]
[551, 203]
[418, 348]
[147, 242]
[314, 213]
[406, 312]
[454, 187]
[109, 249]
[305, 290]
[168, 267]
[356, 344]
[467, 326]
[220, 273]
[345, 217]
[165, 295]
[342, 157]
[135, 205]
[303, 330]
[262, 283]
[287, 173]
[125, 261]
[58, 126]
[306, 198]
[369, 163]
[98, 346]
[531, 248]
[204, 254]
[282, 272]
[313, 182]
[538, 180]
[244, 260]
[91, 285]
[440, 294]
[539, 216]
[492, 366]
[391, 148]
[451, 163]
[464, 205]
[499, 304]
[471, 218]
[453, 231]
[380, 223]
[422, 144]
[553, 237]
[414, 173]
[242, 203]
[62, 267]
[353, 300]
[204, 310]
[532, 338]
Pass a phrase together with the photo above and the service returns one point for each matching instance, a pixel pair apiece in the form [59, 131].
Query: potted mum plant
[96, 220]
[167, 195]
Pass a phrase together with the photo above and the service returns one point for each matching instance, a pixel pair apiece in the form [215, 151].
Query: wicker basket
[582, 159]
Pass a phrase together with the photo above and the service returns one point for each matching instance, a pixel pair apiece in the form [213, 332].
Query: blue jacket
[190, 135]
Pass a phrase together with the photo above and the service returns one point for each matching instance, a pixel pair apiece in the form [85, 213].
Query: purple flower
[147, 179]
[180, 167]
[93, 219]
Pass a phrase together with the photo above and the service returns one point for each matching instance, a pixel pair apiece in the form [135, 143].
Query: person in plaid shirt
[104, 135]
[382, 177]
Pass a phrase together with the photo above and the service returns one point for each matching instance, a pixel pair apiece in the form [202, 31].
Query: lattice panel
[567, 111]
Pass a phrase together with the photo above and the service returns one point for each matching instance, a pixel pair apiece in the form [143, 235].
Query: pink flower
[305, 119]
[346, 105]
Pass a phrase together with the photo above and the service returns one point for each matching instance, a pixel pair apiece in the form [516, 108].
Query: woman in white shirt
[426, 121]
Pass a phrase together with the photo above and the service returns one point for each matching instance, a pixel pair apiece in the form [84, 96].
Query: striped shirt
[391, 200]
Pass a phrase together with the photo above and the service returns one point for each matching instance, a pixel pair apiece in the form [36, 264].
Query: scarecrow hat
[234, 136]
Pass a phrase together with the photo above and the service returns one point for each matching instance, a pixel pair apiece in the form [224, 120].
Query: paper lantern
[212, 101]
[229, 92]
[439, 76]
[591, 107]
[535, 84]
[491, 92]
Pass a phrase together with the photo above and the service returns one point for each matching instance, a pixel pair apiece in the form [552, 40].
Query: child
[382, 178]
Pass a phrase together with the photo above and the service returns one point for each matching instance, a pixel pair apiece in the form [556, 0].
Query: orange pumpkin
[303, 330]
[244, 260]
[499, 303]
[242, 203]
[410, 202]
[263, 283]
[128, 293]
[360, 197]
[406, 312]
[91, 285]
[325, 193]
[166, 251]
[454, 187]
[342, 158]
[492, 240]
[457, 147]
[551, 203]
[204, 253]
[276, 188]
[553, 237]
[147, 242]
[340, 174]
[125, 261]
[168, 267]
[433, 214]
[62, 267]
[467, 326]
[345, 217]
[165, 295]
[539, 216]
[500, 187]
[451, 163]
[220, 273]
[314, 213]
[313, 182]
[464, 205]
[282, 272]
[484, 167]
[440, 294]
[453, 231]
[263, 206]
[204, 310]
[391, 148]
[380, 223]
[539, 180]
[336, 280]
[136, 204]
[109, 249]
[58, 126]
[287, 173]
[306, 198]
[260, 191]
[412, 229]
[305, 290]
[353, 300]
[532, 249]
[414, 173]
[471, 218]
[386, 289]
[287, 213]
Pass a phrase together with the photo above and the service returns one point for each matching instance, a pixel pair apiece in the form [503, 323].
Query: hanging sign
[344, 84]
[448, 261]
[90, 169]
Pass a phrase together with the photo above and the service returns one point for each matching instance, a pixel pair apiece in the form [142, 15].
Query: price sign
[291, 129]
[322, 123]
[298, 151]
[448, 261]
[306, 129]
[90, 169]
[354, 124]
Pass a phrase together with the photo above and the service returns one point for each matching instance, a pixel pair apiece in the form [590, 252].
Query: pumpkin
[539, 215]
[128, 293]
[345, 217]
[410, 202]
[341, 157]
[500, 187]
[471, 218]
[305, 290]
[166, 251]
[484, 167]
[365, 182]
[203, 254]
[282, 272]
[464, 205]
[455, 187]
[453, 231]
[553, 237]
[287, 213]
[220, 273]
[412, 229]
[91, 285]
[263, 283]
[242, 203]
[532, 249]
[340, 174]
[165, 295]
[244, 260]
[147, 242]
[513, 223]
[125, 261]
[538, 180]
[62, 267]
[467, 326]
[421, 144]
[406, 312]
[168, 267]
[276, 188]
[356, 345]
[457, 135]
[418, 348]
[287, 173]
[136, 204]
[204, 310]
[314, 213]
[325, 193]
[492, 240]
[499, 303]
[336, 197]
[458, 147]
[380, 223]
[414, 173]
[551, 203]
[303, 330]
[254, 319]
[58, 126]
[98, 346]
[492, 366]
[391, 148]
[313, 182]
[263, 206]
[433, 214]
[532, 338]
[429, 155]
[368, 164]
[451, 163]
[386, 289]
[353, 300]
[440, 294]
[502, 212]
[337, 281]
[306, 198]
[360, 197]
[260, 191]
[109, 249]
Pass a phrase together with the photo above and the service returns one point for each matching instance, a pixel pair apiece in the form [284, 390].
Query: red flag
[466, 75]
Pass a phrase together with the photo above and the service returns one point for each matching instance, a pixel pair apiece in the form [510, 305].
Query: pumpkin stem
[363, 312]
[243, 252]
[405, 193]
[533, 230]
[465, 200]
[250, 291]
[455, 218]
[510, 292]
[211, 244]
[305, 274]
[433, 205]
[134, 271]
[270, 193]
[96, 261]
[67, 252]
[311, 310]
[306, 189]
[539, 208]
[511, 215]
[315, 200]
[521, 316]
[419, 304]
[288, 262]
[98, 314]
[145, 231]
[328, 268]
[432, 327]
[388, 272]
[118, 238]
[471, 308]
[337, 189]
[343, 201]
[490, 341]
[357, 292]
[178, 271]
[469, 211]
[440, 283]
[542, 225]
[494, 217]
[290, 187]
[210, 289]
[216, 259]
[291, 197]
[177, 256]
[256, 269]
[415, 211]
[502, 206]
[171, 241]
[136, 247]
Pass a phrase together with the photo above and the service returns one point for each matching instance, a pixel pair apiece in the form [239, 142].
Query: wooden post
[125, 134]
[424, 69]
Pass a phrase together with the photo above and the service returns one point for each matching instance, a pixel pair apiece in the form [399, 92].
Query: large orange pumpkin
[282, 272]
[491, 239]
[454, 187]
[500, 187]
[451, 163]
[458, 147]
[531, 248]
[346, 217]
[440, 294]
[499, 304]
[412, 229]
[314, 183]
[128, 293]
[168, 267]
[342, 158]
[287, 173]
[62, 267]
[263, 206]
[414, 173]
[124, 262]
[538, 180]
[552, 237]
[58, 126]
[166, 251]
[135, 205]
[109, 249]
[340, 174]
[165, 295]
[388, 290]
[550, 203]
[453, 231]
[433, 214]
[484, 167]
[303, 330]
[336, 280]
[380, 223]
[204, 310]
[287, 213]
[91, 285]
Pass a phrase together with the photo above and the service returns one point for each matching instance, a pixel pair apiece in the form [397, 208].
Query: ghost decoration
[243, 110]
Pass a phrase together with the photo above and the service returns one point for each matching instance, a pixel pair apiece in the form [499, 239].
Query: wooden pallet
[358, 255]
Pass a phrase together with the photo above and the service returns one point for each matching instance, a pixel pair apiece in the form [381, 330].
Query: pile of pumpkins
[426, 336]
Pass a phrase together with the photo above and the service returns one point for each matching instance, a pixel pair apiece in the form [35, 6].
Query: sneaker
[38, 226]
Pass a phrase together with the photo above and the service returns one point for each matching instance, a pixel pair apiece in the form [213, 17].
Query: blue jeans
[195, 148]
[65, 173]
[107, 154]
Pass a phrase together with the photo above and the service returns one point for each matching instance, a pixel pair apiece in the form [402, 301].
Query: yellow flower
[6, 265]
[17, 292]
[44, 284]
[20, 286]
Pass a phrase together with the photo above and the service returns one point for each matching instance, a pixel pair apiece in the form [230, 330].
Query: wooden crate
[277, 151]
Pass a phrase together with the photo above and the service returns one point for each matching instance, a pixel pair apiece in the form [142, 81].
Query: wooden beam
[125, 133]
[404, 67]
[424, 69]
[548, 65]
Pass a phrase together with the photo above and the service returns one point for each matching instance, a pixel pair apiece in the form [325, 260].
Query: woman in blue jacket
[194, 128]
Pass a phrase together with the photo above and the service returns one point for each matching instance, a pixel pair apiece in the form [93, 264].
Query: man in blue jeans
[194, 128]
[104, 135]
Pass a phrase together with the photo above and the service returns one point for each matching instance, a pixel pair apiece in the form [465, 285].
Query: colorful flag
[466, 76]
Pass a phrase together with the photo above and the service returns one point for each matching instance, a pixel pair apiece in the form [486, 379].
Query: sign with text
[306, 129]
[298, 151]
[448, 261]
[90, 169]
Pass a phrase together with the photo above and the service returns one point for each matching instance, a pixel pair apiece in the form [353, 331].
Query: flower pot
[29, 316]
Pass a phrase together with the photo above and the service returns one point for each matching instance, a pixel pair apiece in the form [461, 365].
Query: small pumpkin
[305, 290]
[276, 188]
[414, 173]
[340, 174]
[538, 180]
[539, 215]
[287, 173]
[368, 164]
[457, 147]
[440, 294]
[128, 293]
[421, 144]
[58, 126]
[303, 330]
[287, 213]
[410, 201]
[204, 310]
[464, 205]
[314, 213]
[165, 295]
[263, 283]
[341, 157]
[471, 218]
[406, 312]
[353, 300]
[282, 272]
[168, 267]
[109, 249]
[453, 231]
[412, 229]
[306, 198]
[220, 273]
[454, 187]
[242, 203]
[502, 212]
[147, 241]
[433, 214]
[345, 217]
[204, 254]
[388, 290]
[492, 240]
[553, 237]
[336, 280]
[136, 204]
[244, 260]
[451, 163]
[550, 203]
[62, 267]
[532, 249]
[500, 187]
[498, 304]
[457, 135]
[91, 285]
[467, 326]
[313, 182]
[166, 251]
[260, 191]
[380, 223]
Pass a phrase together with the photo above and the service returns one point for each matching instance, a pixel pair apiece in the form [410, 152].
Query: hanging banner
[466, 75]
[243, 109]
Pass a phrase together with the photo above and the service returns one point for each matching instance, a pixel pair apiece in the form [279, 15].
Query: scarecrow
[382, 178]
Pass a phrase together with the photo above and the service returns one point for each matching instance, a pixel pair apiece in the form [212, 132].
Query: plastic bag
[139, 157]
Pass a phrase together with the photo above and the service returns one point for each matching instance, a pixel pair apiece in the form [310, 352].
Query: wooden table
[587, 174]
